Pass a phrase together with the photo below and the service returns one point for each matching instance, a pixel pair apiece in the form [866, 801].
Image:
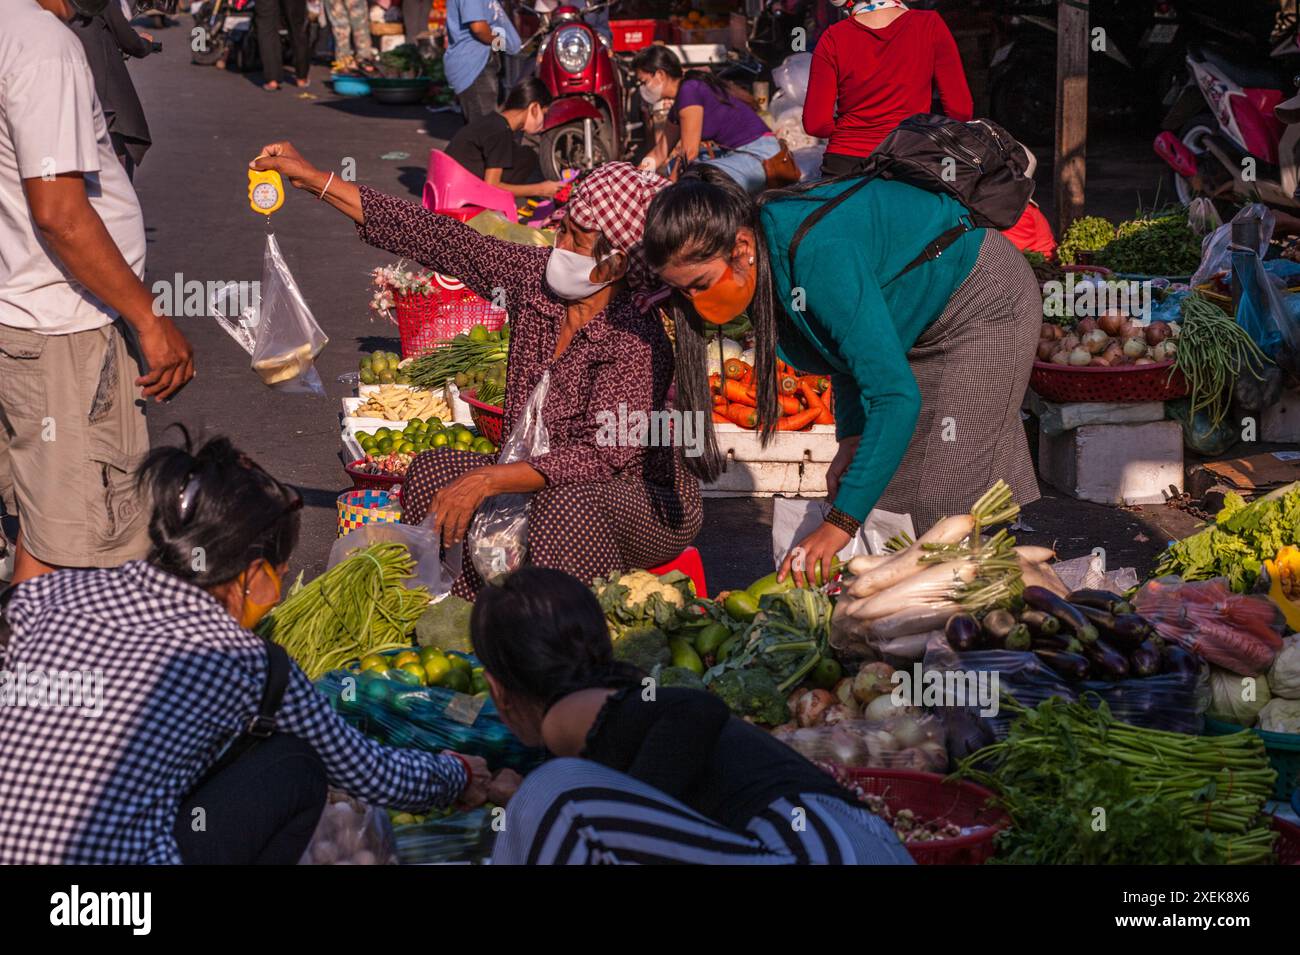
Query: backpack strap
[818, 214]
[277, 681]
[936, 248]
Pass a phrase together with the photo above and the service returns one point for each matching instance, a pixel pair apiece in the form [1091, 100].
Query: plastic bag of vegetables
[498, 536]
[350, 833]
[1284, 674]
[1238, 632]
[1280, 716]
[458, 837]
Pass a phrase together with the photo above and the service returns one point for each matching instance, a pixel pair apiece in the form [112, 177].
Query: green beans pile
[359, 606]
[453, 356]
[1213, 352]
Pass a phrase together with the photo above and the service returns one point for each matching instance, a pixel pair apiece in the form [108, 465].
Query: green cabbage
[1228, 692]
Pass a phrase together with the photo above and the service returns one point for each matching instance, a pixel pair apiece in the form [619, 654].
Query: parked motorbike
[229, 36]
[593, 117]
[1225, 137]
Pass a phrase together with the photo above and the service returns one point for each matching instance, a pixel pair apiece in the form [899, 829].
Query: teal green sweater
[856, 329]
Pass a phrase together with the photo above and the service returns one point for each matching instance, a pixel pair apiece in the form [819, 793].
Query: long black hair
[215, 511]
[657, 57]
[541, 634]
[694, 220]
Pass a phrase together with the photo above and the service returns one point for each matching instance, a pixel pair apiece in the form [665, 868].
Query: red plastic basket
[362, 480]
[632, 35]
[1065, 383]
[489, 419]
[1287, 846]
[424, 320]
[930, 797]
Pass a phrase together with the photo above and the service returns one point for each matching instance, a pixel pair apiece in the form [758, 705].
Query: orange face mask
[726, 298]
[253, 611]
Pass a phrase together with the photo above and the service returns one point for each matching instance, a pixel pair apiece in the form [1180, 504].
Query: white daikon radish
[914, 620]
[927, 587]
[866, 562]
[1037, 555]
[1038, 574]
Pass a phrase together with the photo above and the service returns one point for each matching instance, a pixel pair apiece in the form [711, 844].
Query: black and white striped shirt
[121, 687]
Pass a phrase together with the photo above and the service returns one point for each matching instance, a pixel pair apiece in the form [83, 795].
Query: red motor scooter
[592, 118]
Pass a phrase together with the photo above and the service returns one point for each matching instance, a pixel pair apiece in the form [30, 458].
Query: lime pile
[382, 368]
[422, 435]
[428, 666]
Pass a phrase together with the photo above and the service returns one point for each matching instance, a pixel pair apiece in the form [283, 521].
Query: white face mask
[569, 275]
[651, 94]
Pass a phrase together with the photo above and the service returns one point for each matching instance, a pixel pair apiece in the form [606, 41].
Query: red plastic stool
[689, 563]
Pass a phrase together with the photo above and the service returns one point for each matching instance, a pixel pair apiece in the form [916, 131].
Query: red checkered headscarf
[613, 199]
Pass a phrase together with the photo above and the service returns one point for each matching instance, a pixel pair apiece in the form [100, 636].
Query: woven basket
[1066, 383]
[367, 506]
[931, 797]
[424, 320]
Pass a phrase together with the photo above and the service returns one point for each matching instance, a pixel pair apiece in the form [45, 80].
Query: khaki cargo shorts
[72, 432]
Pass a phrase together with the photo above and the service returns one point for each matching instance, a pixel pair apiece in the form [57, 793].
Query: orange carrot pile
[804, 400]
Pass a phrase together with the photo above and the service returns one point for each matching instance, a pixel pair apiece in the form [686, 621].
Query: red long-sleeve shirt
[864, 82]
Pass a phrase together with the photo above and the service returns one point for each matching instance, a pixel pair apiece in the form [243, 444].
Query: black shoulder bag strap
[932, 250]
[263, 725]
[5, 629]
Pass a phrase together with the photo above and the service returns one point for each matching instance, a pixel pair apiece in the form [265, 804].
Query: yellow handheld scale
[265, 191]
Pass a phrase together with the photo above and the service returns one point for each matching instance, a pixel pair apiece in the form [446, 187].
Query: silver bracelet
[325, 188]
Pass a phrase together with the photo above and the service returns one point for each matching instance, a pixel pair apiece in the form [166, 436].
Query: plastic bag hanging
[498, 535]
[286, 338]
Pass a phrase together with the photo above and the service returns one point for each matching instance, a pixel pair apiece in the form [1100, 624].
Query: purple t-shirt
[728, 121]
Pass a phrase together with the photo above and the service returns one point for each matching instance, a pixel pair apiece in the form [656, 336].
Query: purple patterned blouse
[621, 357]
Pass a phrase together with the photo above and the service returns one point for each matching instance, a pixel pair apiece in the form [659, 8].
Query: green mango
[728, 647]
[769, 585]
[826, 673]
[710, 637]
[741, 605]
[684, 655]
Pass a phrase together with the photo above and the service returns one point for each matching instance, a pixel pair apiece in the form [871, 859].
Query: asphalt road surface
[208, 124]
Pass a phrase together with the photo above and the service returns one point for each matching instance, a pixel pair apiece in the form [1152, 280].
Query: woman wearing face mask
[169, 677]
[608, 495]
[490, 148]
[707, 110]
[673, 778]
[929, 356]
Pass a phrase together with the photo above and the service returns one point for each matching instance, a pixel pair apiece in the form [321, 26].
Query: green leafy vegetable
[1159, 243]
[1086, 234]
[1241, 539]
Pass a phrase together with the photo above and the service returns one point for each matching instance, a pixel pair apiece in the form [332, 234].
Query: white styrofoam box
[371, 424]
[1114, 463]
[459, 407]
[1281, 420]
[741, 444]
[1055, 418]
[756, 479]
[351, 447]
[812, 479]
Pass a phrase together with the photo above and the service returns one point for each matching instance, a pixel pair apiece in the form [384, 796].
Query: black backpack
[978, 163]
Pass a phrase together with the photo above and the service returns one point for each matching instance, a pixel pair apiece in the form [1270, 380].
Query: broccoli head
[753, 693]
[679, 676]
[643, 647]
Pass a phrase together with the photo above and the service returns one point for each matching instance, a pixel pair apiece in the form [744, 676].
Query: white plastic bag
[1216, 256]
[794, 519]
[431, 569]
[286, 338]
[498, 535]
[792, 75]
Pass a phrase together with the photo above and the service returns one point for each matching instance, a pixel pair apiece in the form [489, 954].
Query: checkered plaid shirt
[180, 680]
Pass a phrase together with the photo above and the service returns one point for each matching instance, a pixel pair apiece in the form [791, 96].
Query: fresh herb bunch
[398, 279]
[1242, 537]
[1085, 234]
[1160, 243]
[1168, 798]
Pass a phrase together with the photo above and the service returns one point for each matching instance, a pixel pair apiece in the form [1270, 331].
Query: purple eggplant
[963, 632]
[1179, 661]
[1107, 662]
[1040, 598]
[1145, 659]
[1071, 666]
[997, 625]
[1018, 638]
[1101, 600]
[1057, 641]
[1040, 624]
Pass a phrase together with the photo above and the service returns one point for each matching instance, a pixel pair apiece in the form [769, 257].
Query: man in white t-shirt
[72, 249]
